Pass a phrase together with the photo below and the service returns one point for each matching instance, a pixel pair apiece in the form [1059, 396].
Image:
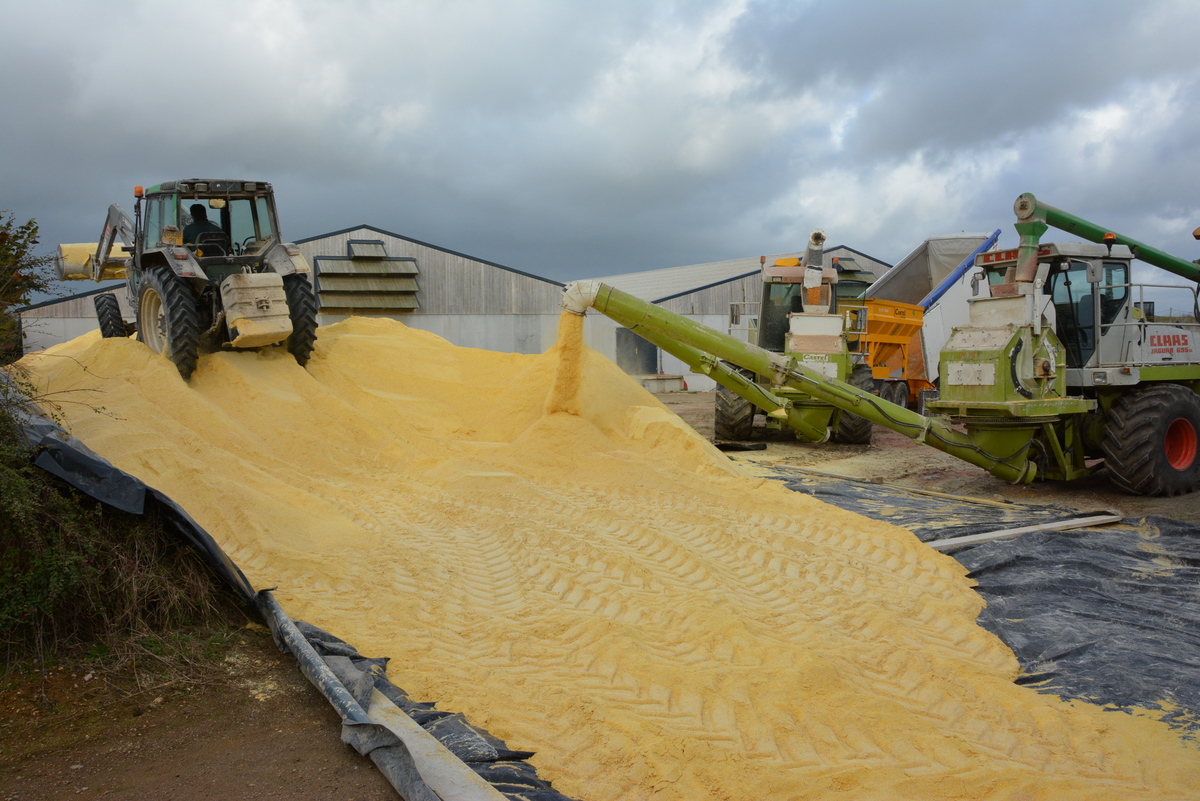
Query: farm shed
[722, 295]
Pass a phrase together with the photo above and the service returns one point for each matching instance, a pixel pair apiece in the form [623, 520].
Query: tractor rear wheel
[1150, 441]
[733, 418]
[852, 429]
[302, 307]
[108, 314]
[167, 320]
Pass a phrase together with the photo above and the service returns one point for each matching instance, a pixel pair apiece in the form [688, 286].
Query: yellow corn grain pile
[541, 545]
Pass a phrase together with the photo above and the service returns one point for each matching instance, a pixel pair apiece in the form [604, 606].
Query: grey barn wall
[469, 302]
[53, 323]
[451, 283]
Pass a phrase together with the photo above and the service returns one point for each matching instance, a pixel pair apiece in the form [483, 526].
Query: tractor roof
[218, 187]
[1050, 250]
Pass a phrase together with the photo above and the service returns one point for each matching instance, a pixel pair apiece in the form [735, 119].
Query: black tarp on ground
[1110, 614]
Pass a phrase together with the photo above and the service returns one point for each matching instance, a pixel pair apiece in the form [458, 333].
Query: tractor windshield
[243, 220]
[779, 300]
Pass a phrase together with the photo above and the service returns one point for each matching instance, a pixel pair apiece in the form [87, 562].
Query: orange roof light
[137, 191]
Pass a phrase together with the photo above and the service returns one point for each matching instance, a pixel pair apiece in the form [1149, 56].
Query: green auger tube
[706, 346]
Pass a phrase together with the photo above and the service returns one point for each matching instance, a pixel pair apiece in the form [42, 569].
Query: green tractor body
[799, 316]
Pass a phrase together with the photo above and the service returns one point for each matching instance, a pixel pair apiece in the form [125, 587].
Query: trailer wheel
[895, 392]
[302, 307]
[167, 320]
[733, 418]
[108, 314]
[1150, 441]
[852, 429]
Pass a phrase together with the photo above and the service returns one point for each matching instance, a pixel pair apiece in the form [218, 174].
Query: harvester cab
[206, 265]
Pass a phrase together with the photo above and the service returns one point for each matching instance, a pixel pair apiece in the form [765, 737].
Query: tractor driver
[200, 224]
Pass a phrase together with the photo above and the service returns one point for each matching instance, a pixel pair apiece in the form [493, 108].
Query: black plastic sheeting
[66, 457]
[500, 766]
[1110, 615]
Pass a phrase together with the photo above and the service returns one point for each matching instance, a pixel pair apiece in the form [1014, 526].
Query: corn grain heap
[541, 545]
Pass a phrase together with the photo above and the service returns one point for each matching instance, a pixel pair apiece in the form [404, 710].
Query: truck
[226, 282]
[908, 314]
[1061, 370]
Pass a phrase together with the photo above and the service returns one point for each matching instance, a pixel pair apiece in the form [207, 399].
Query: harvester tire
[167, 320]
[852, 429]
[302, 307]
[1150, 441]
[733, 418]
[108, 314]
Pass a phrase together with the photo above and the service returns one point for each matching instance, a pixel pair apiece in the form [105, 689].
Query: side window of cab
[152, 234]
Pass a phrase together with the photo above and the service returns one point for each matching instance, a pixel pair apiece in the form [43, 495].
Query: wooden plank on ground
[1009, 533]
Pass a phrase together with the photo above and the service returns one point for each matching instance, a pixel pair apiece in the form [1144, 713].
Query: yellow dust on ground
[541, 545]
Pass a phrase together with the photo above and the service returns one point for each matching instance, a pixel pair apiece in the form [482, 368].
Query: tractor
[205, 266]
[799, 316]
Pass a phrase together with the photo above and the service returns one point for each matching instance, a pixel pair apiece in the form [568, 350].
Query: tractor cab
[1106, 323]
[225, 226]
[1087, 286]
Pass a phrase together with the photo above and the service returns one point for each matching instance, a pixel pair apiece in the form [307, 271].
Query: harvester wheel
[108, 314]
[167, 320]
[302, 306]
[852, 429]
[1150, 441]
[734, 418]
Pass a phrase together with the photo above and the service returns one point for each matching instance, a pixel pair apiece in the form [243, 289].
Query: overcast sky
[576, 139]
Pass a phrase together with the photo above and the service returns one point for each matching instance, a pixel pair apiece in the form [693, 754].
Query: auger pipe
[658, 325]
[1029, 209]
[707, 364]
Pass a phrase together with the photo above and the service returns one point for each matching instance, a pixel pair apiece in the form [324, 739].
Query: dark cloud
[572, 139]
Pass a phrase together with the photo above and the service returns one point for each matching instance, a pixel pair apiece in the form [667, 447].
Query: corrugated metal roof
[672, 282]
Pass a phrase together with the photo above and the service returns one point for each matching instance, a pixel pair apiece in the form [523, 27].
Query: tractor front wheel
[1151, 441]
[108, 314]
[302, 307]
[167, 320]
[852, 429]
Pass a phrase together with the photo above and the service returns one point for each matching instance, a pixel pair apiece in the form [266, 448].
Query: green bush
[75, 574]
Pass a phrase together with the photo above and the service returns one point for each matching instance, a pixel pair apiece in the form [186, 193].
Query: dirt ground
[892, 458]
[254, 730]
[257, 730]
